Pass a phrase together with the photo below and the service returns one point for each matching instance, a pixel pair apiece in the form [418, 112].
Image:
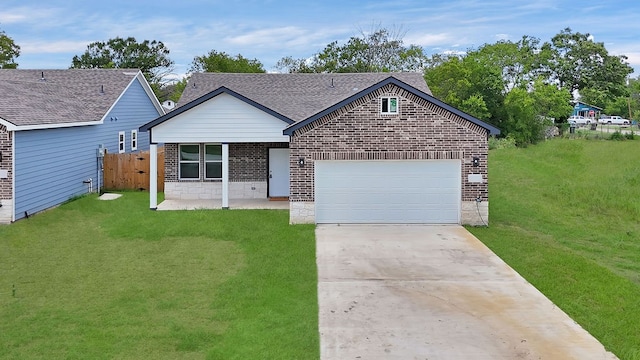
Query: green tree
[9, 51]
[578, 63]
[468, 83]
[550, 101]
[381, 50]
[216, 61]
[522, 122]
[521, 62]
[529, 112]
[177, 90]
[151, 57]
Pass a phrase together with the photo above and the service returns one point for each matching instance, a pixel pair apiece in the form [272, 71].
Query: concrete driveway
[433, 292]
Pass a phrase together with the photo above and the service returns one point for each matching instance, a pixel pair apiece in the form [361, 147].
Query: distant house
[54, 123]
[586, 110]
[342, 148]
[168, 104]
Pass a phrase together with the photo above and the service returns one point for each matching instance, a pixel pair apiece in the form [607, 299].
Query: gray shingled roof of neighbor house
[296, 96]
[47, 97]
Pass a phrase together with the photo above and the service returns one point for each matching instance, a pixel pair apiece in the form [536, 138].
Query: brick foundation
[198, 190]
[302, 212]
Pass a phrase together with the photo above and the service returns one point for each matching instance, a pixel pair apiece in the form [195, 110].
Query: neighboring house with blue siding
[52, 125]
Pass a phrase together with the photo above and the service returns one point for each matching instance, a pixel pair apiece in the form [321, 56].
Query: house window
[190, 161]
[389, 105]
[134, 140]
[213, 161]
[121, 142]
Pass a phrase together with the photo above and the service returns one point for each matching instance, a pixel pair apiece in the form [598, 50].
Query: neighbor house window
[134, 140]
[389, 105]
[121, 142]
[190, 161]
[213, 161]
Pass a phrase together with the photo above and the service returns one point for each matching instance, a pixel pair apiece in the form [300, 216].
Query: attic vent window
[389, 105]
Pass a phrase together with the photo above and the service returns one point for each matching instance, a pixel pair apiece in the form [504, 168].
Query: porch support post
[153, 176]
[225, 176]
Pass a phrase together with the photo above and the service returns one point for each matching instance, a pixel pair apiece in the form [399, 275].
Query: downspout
[100, 166]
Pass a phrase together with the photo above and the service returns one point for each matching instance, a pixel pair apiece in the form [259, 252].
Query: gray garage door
[389, 191]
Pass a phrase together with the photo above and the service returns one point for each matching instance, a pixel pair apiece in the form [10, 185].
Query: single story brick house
[343, 148]
[52, 125]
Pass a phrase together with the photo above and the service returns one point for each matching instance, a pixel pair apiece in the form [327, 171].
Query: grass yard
[566, 215]
[111, 279]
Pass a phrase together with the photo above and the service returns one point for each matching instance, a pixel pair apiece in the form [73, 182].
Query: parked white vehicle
[578, 120]
[614, 120]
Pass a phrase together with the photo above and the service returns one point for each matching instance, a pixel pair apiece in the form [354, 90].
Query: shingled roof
[295, 96]
[55, 97]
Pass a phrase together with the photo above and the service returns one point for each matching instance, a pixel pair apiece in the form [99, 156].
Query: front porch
[217, 204]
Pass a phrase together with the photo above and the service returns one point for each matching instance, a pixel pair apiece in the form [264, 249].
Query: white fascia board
[13, 127]
[147, 89]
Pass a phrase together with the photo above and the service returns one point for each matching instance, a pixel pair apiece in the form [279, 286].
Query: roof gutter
[13, 127]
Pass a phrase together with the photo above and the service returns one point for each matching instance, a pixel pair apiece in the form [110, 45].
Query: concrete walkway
[433, 292]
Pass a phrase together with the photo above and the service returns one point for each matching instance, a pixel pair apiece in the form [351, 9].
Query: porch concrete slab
[433, 292]
[217, 204]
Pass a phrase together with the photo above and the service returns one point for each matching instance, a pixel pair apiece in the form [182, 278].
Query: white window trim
[134, 140]
[388, 100]
[180, 161]
[210, 161]
[121, 142]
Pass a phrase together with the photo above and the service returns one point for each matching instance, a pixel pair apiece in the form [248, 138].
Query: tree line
[521, 87]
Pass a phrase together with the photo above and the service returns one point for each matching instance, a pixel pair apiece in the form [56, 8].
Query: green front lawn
[566, 215]
[111, 279]
[103, 280]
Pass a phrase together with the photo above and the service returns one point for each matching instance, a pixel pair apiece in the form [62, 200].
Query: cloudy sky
[50, 33]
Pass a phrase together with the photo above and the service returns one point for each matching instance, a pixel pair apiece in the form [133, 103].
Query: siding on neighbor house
[358, 131]
[52, 164]
[247, 161]
[223, 118]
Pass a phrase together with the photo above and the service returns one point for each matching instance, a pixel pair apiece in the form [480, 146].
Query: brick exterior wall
[421, 130]
[247, 162]
[5, 163]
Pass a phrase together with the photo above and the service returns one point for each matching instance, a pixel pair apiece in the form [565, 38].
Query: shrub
[502, 143]
[617, 136]
[629, 135]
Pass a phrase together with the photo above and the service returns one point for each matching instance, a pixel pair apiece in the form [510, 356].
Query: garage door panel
[387, 191]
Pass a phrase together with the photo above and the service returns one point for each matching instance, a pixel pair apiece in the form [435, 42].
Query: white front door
[278, 172]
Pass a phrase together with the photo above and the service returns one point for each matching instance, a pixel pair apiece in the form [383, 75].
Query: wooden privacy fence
[131, 171]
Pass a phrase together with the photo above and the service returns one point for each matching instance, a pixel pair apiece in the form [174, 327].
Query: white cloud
[428, 39]
[27, 15]
[9, 18]
[52, 47]
[267, 36]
